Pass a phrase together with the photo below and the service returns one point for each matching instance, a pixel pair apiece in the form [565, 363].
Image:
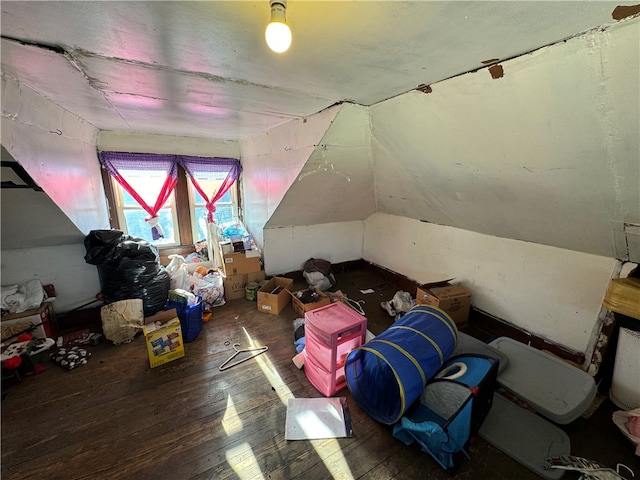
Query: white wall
[171, 144]
[76, 282]
[551, 292]
[287, 248]
[294, 216]
[42, 239]
[271, 162]
[58, 150]
[549, 153]
[336, 183]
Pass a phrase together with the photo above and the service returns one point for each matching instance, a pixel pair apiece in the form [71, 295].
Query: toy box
[164, 342]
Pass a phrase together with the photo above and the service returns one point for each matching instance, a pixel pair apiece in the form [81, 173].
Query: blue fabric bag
[451, 409]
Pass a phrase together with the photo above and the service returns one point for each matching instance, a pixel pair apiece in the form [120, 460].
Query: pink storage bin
[322, 352]
[327, 383]
[335, 322]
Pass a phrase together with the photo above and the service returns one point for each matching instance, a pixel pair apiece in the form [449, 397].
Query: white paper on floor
[317, 418]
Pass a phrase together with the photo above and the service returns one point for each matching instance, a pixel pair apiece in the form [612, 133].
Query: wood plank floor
[116, 418]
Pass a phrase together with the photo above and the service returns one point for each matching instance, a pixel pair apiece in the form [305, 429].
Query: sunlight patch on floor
[244, 462]
[325, 449]
[231, 422]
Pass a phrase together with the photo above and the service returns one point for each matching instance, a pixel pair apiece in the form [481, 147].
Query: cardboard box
[40, 322]
[241, 262]
[164, 342]
[234, 285]
[274, 295]
[623, 296]
[452, 298]
[162, 316]
[301, 307]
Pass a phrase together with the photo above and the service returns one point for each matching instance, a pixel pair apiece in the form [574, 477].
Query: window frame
[233, 191]
[121, 209]
[183, 211]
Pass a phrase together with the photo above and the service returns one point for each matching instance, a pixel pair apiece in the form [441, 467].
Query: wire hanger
[324, 167]
[256, 351]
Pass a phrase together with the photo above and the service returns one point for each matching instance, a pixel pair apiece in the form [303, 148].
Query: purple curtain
[115, 162]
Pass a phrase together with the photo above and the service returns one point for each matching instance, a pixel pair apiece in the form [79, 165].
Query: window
[141, 185]
[131, 216]
[226, 207]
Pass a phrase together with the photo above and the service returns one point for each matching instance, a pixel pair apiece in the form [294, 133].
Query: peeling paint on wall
[424, 88]
[625, 11]
[496, 71]
[491, 60]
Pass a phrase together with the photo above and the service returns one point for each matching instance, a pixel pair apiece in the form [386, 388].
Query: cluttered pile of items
[439, 387]
[27, 328]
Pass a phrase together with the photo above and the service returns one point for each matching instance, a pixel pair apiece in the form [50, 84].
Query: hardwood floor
[116, 418]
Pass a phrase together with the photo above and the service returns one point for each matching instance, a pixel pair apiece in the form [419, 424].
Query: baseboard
[481, 324]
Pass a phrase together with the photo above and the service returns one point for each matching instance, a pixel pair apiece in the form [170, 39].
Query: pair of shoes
[386, 306]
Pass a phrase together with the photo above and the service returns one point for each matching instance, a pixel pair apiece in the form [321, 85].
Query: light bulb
[278, 34]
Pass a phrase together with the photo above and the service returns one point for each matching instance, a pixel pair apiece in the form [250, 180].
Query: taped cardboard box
[452, 298]
[300, 307]
[164, 342]
[273, 297]
[235, 285]
[237, 263]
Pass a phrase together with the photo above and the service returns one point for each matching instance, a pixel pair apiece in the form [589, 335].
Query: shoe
[386, 306]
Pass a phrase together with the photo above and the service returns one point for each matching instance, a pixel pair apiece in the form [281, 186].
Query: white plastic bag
[178, 272]
[629, 424]
[209, 287]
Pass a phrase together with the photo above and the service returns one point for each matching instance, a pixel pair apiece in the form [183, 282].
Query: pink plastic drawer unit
[335, 322]
[327, 383]
[323, 353]
[331, 333]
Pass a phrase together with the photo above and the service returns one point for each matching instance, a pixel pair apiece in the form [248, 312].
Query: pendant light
[278, 34]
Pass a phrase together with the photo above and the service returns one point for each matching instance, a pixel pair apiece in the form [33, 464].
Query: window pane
[198, 198]
[201, 222]
[224, 214]
[226, 198]
[146, 183]
[127, 199]
[209, 190]
[137, 227]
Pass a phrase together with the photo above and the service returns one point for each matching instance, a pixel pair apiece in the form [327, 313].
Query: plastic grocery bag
[178, 272]
[629, 424]
[210, 288]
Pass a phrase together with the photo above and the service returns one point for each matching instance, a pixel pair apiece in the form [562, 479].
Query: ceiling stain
[621, 11]
[496, 71]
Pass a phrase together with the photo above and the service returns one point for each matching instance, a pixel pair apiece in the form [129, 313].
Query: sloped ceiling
[203, 69]
[30, 219]
[337, 182]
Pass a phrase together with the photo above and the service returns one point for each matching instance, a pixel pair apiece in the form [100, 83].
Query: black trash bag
[105, 246]
[145, 280]
[102, 246]
[138, 248]
[128, 267]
